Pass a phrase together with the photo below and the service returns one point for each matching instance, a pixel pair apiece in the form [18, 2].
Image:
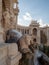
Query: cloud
[42, 24]
[27, 16]
[20, 21]
[25, 19]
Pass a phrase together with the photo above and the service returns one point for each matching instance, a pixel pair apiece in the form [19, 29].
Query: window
[34, 31]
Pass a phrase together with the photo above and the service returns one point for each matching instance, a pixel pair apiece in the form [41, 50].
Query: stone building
[34, 30]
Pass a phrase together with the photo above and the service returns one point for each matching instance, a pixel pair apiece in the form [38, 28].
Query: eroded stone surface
[9, 54]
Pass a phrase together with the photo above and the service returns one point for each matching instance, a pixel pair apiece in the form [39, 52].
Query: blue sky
[33, 9]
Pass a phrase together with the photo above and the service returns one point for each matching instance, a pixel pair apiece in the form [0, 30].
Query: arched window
[34, 31]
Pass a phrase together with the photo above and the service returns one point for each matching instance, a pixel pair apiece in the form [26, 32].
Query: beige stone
[3, 54]
[13, 54]
[9, 55]
[13, 49]
[9, 18]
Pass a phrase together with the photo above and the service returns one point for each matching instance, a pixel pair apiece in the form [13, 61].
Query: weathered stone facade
[9, 15]
[9, 54]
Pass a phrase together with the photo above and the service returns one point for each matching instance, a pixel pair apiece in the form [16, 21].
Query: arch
[34, 40]
[34, 31]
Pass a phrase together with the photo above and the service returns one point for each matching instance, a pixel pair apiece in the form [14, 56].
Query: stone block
[14, 60]
[9, 54]
[12, 49]
[3, 54]
[3, 51]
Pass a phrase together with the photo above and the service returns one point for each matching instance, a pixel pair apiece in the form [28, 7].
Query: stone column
[15, 10]
[47, 34]
[38, 35]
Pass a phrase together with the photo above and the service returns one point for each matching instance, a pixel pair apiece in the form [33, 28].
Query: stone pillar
[47, 34]
[30, 31]
[15, 10]
[38, 35]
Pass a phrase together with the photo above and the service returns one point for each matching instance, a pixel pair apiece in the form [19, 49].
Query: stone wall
[9, 54]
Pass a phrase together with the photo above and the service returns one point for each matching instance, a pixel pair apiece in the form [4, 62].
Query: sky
[33, 10]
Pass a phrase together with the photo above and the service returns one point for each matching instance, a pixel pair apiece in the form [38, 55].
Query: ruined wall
[9, 54]
[9, 15]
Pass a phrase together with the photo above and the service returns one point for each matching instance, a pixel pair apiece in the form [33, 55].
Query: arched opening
[34, 40]
[34, 31]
